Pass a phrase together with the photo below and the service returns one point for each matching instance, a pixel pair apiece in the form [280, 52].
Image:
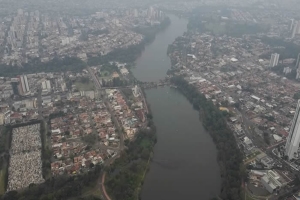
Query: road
[118, 127]
[115, 120]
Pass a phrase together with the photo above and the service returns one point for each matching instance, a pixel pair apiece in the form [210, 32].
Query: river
[184, 164]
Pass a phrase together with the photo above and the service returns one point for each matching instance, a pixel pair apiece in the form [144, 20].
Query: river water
[184, 164]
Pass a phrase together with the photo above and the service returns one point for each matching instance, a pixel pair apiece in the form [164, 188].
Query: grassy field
[3, 172]
[84, 86]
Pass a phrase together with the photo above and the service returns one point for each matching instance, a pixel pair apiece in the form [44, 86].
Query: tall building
[292, 24]
[24, 84]
[295, 29]
[151, 12]
[297, 66]
[293, 140]
[274, 59]
[135, 13]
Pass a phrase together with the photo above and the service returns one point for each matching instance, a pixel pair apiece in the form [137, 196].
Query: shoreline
[150, 124]
[224, 153]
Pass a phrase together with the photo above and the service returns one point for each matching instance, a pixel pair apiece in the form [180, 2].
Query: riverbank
[229, 156]
[130, 54]
[126, 175]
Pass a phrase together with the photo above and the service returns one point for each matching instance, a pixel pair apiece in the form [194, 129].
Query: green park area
[251, 157]
[84, 86]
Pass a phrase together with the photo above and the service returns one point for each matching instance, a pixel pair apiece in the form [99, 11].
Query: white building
[23, 84]
[293, 140]
[274, 59]
[292, 24]
[296, 27]
[272, 181]
[136, 91]
[298, 62]
[46, 85]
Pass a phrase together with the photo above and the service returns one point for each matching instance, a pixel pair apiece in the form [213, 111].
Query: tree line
[126, 175]
[229, 157]
[290, 50]
[36, 66]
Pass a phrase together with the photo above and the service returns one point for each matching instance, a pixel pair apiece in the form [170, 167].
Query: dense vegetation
[126, 174]
[58, 188]
[46, 152]
[289, 50]
[229, 156]
[279, 70]
[5, 140]
[36, 66]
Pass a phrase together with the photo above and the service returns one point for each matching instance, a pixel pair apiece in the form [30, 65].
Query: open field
[85, 86]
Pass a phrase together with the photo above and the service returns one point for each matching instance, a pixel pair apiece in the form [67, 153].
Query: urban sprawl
[84, 117]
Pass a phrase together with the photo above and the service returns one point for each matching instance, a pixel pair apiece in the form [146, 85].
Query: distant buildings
[293, 140]
[274, 59]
